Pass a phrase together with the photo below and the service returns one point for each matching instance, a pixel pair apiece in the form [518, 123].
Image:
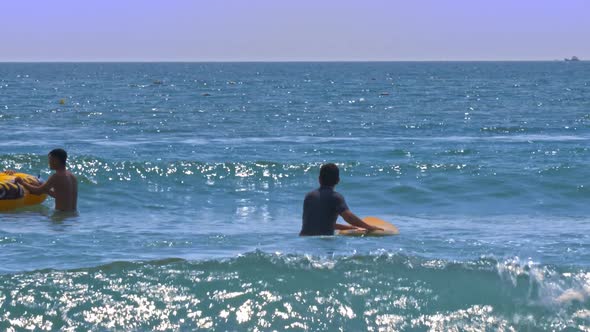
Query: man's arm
[45, 188]
[352, 219]
[341, 227]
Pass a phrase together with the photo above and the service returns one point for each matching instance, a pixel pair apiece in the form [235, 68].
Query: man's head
[57, 159]
[329, 175]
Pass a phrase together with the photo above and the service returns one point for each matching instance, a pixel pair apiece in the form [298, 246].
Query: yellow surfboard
[388, 229]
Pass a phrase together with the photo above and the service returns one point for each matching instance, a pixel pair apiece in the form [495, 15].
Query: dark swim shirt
[321, 208]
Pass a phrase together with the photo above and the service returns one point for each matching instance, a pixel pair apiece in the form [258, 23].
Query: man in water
[322, 206]
[62, 185]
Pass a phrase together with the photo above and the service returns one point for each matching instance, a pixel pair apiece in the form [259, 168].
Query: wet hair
[59, 154]
[329, 175]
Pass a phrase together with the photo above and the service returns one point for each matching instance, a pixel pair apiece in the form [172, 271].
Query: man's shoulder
[338, 195]
[313, 193]
[63, 176]
[320, 192]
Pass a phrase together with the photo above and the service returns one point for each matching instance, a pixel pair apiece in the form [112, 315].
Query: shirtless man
[62, 185]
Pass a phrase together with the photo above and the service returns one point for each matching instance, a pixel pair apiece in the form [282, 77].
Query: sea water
[192, 177]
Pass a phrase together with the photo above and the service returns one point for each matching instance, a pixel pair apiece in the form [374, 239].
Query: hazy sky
[276, 30]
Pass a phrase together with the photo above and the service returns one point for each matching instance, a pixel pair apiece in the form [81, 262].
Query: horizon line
[282, 61]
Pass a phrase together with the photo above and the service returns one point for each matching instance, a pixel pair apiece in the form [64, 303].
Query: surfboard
[388, 229]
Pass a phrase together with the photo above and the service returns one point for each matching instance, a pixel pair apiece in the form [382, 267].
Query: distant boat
[574, 58]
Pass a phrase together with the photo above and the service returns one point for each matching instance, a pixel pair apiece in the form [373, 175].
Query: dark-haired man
[62, 185]
[322, 206]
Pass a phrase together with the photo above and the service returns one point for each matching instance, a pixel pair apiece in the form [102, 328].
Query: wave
[92, 167]
[505, 135]
[260, 291]
[407, 175]
[457, 184]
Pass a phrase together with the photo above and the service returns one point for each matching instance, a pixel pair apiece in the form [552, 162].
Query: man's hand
[352, 219]
[18, 180]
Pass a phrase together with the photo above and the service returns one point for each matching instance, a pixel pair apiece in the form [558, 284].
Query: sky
[293, 30]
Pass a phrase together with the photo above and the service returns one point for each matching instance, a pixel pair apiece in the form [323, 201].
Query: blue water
[192, 178]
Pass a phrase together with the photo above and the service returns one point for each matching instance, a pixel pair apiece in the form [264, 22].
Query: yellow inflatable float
[14, 196]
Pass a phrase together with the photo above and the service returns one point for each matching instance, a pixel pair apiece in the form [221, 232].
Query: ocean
[192, 178]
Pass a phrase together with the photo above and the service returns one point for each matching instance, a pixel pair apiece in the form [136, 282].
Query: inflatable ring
[13, 196]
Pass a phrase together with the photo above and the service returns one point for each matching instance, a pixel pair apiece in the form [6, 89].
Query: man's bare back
[64, 188]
